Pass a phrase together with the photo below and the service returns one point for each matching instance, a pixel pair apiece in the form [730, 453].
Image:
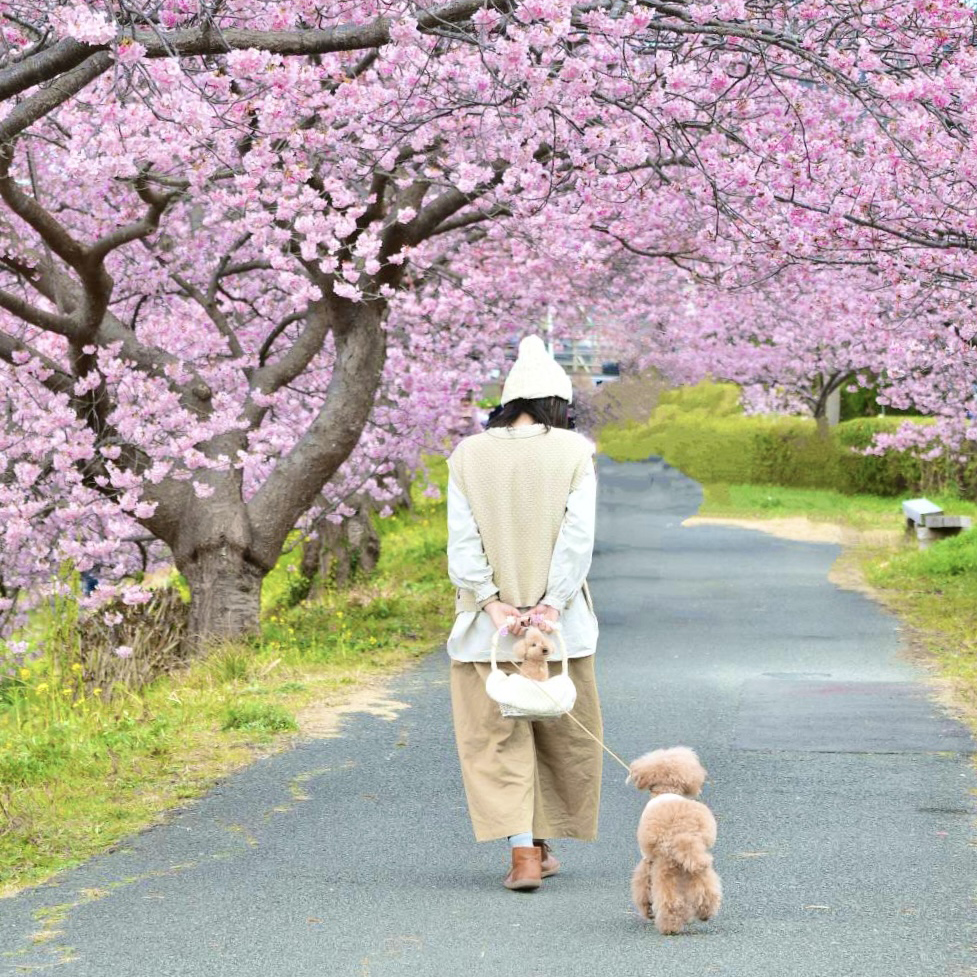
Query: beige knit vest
[517, 481]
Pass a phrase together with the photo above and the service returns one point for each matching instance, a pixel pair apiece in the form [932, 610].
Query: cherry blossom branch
[43, 101]
[348, 37]
[940, 240]
[67, 54]
[55, 379]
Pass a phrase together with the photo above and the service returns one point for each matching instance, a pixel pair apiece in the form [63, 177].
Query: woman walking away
[521, 504]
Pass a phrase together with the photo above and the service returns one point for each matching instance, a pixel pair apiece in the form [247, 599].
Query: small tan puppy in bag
[674, 882]
[533, 653]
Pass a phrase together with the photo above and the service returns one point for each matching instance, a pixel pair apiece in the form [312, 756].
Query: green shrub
[264, 716]
[711, 399]
[701, 431]
[892, 473]
[732, 449]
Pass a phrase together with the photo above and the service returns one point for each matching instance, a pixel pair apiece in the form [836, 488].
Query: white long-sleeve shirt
[469, 569]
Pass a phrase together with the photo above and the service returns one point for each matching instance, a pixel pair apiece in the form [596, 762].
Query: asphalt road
[844, 798]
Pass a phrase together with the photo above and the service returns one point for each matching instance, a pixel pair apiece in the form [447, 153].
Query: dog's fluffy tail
[641, 888]
[689, 851]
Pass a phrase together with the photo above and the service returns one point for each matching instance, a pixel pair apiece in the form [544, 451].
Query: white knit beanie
[536, 374]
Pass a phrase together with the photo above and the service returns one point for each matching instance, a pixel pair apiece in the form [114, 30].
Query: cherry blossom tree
[794, 340]
[254, 254]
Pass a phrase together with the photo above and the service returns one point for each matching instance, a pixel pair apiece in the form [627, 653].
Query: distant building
[585, 359]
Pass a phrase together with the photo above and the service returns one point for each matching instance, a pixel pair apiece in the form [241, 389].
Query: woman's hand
[498, 612]
[546, 614]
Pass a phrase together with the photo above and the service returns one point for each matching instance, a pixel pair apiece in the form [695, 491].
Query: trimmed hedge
[702, 431]
[892, 473]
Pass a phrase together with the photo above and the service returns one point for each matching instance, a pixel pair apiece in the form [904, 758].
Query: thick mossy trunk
[334, 554]
[225, 595]
[225, 546]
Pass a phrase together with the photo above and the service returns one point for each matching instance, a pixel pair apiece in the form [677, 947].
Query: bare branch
[297, 479]
[467, 220]
[939, 240]
[149, 222]
[348, 37]
[61, 325]
[214, 312]
[275, 375]
[280, 327]
[43, 66]
[54, 235]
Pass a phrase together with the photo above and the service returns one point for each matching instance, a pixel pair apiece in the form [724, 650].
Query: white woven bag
[520, 697]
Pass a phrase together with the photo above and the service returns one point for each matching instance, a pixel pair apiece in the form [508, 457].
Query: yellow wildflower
[96, 691]
[42, 688]
[76, 667]
[25, 674]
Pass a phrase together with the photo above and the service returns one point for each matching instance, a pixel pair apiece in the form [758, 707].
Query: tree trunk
[334, 554]
[832, 408]
[225, 595]
[827, 410]
[224, 546]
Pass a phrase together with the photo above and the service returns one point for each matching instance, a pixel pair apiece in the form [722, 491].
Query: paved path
[843, 797]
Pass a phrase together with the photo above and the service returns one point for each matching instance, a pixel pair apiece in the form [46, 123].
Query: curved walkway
[844, 798]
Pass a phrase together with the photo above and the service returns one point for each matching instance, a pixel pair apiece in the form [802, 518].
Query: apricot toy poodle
[674, 882]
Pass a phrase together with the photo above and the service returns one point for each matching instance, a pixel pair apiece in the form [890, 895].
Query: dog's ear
[519, 650]
[642, 778]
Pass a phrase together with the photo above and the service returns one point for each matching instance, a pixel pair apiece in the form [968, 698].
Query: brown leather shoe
[549, 865]
[524, 876]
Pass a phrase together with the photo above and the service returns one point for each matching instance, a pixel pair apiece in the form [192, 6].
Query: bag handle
[557, 630]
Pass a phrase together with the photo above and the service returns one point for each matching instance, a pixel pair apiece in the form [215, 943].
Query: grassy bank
[78, 773]
[935, 591]
[862, 512]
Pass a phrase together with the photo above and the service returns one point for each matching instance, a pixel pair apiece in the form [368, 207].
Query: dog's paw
[670, 921]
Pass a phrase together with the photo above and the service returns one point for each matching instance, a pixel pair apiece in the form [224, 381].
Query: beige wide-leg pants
[521, 776]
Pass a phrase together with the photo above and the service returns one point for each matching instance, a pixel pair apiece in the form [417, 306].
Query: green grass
[823, 505]
[267, 716]
[935, 590]
[79, 772]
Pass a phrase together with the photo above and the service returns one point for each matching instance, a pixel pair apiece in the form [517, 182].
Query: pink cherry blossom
[251, 268]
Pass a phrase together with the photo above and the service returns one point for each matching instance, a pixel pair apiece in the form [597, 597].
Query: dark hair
[548, 411]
